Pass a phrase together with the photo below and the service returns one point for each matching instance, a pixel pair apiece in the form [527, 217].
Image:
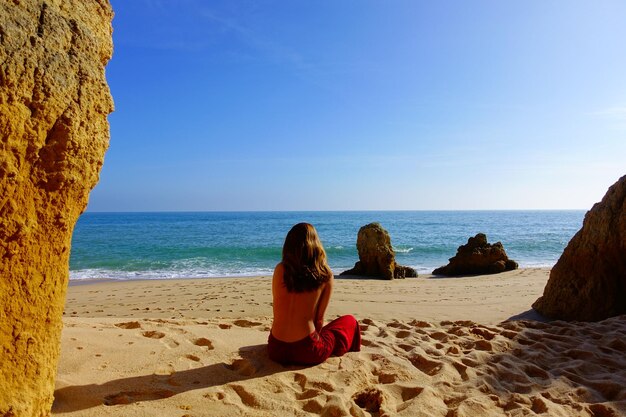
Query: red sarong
[337, 337]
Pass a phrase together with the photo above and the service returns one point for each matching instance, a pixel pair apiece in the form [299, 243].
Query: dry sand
[431, 347]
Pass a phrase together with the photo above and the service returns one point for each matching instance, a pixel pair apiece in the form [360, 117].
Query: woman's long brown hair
[304, 259]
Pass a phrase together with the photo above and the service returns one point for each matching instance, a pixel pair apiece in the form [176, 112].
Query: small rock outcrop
[588, 282]
[54, 102]
[376, 255]
[478, 257]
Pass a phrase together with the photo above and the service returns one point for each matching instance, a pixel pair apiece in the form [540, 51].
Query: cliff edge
[588, 283]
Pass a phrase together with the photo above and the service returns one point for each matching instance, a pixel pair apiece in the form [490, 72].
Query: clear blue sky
[364, 105]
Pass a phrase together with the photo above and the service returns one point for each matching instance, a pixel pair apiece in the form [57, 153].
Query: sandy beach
[446, 347]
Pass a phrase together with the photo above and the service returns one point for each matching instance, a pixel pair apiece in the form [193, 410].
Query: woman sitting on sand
[301, 289]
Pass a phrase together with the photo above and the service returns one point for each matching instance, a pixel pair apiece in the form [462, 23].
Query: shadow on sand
[531, 314]
[253, 363]
[575, 365]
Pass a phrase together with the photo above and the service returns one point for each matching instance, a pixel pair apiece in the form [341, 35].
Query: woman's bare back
[297, 314]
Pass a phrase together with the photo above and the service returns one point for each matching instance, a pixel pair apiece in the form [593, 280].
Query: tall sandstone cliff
[588, 283]
[54, 103]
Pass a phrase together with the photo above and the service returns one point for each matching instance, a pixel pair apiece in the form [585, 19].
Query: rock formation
[54, 102]
[478, 257]
[588, 283]
[376, 256]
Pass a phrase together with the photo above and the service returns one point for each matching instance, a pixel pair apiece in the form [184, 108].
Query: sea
[174, 245]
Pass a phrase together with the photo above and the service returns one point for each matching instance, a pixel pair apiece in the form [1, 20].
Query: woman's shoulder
[279, 272]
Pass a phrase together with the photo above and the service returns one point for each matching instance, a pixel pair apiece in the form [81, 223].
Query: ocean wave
[402, 250]
[87, 274]
[192, 271]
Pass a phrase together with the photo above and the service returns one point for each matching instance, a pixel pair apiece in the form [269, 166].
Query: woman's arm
[323, 303]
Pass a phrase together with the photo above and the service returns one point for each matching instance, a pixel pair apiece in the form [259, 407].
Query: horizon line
[328, 211]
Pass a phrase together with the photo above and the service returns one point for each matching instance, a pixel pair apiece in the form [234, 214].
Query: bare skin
[297, 315]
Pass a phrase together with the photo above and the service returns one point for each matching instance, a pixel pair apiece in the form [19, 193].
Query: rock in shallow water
[478, 257]
[376, 255]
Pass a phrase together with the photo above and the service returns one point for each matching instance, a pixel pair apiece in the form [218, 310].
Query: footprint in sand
[508, 334]
[385, 377]
[535, 372]
[300, 379]
[129, 397]
[369, 343]
[246, 323]
[247, 397]
[408, 393]
[429, 367]
[398, 325]
[578, 354]
[203, 342]
[461, 369]
[308, 394]
[470, 362]
[403, 334]
[170, 343]
[617, 344]
[313, 406]
[480, 331]
[370, 399]
[303, 382]
[214, 396]
[153, 334]
[323, 385]
[458, 331]
[243, 367]
[406, 347]
[483, 345]
[441, 336]
[335, 406]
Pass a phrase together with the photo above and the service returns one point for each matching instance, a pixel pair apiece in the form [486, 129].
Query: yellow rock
[54, 102]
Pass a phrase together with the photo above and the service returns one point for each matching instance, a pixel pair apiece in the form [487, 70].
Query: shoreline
[338, 276]
[427, 297]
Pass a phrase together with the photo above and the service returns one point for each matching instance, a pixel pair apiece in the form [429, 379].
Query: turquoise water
[211, 244]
